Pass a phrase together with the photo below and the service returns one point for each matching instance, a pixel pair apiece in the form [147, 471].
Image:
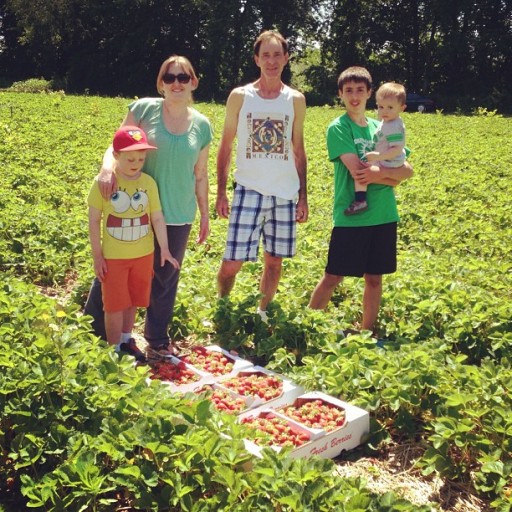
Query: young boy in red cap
[122, 240]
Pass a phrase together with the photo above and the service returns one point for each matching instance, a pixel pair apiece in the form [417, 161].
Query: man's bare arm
[233, 106]
[299, 151]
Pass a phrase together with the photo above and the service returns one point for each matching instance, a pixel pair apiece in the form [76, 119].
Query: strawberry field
[82, 430]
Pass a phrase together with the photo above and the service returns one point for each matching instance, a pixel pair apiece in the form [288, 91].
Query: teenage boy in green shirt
[362, 245]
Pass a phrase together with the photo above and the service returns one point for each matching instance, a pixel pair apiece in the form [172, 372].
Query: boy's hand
[372, 156]
[100, 267]
[367, 175]
[165, 255]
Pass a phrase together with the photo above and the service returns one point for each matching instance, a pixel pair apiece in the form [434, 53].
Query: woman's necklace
[176, 123]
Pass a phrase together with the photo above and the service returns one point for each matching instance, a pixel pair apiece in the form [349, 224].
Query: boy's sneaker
[345, 333]
[130, 347]
[356, 207]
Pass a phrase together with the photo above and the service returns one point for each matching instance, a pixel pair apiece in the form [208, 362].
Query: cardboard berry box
[216, 362]
[285, 393]
[170, 367]
[323, 443]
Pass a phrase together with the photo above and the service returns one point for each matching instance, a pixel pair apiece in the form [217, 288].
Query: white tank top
[265, 161]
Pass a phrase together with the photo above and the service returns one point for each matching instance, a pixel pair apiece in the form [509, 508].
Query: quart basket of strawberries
[270, 429]
[177, 374]
[225, 400]
[315, 413]
[214, 360]
[263, 386]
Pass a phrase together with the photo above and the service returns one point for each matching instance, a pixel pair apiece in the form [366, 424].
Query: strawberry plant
[80, 429]
[439, 377]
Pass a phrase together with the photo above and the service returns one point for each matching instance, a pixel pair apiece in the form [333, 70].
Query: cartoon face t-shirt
[126, 217]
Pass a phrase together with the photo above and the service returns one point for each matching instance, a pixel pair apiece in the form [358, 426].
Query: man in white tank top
[267, 118]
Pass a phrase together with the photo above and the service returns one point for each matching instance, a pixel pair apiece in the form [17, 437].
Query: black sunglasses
[182, 78]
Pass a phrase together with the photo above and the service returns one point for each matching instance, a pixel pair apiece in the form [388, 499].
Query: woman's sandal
[166, 349]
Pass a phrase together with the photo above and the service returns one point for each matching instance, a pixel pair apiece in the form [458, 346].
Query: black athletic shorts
[362, 250]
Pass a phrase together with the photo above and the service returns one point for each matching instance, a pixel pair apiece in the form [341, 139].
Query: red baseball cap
[131, 138]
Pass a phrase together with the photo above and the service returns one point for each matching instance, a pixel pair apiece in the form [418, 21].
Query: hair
[179, 60]
[392, 90]
[267, 36]
[355, 74]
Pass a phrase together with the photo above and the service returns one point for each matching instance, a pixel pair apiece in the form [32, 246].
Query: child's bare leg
[113, 326]
[371, 300]
[126, 344]
[129, 319]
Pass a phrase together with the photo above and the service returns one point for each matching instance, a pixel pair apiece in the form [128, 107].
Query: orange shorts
[127, 283]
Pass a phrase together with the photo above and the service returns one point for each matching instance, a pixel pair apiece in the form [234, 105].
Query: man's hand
[301, 210]
[222, 206]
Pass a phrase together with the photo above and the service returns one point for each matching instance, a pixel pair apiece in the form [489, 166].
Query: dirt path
[394, 470]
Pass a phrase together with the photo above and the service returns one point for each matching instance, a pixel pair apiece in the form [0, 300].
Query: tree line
[457, 51]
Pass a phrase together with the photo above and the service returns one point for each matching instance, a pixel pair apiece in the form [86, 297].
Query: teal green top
[344, 136]
[172, 164]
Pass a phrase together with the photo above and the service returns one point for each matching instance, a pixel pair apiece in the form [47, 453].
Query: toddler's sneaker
[130, 347]
[356, 207]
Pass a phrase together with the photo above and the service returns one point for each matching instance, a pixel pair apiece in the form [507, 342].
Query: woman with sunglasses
[179, 166]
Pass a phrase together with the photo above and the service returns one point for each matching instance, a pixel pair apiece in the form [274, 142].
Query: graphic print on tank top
[267, 136]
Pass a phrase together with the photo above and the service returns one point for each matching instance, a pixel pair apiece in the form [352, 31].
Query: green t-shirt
[172, 164]
[344, 136]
